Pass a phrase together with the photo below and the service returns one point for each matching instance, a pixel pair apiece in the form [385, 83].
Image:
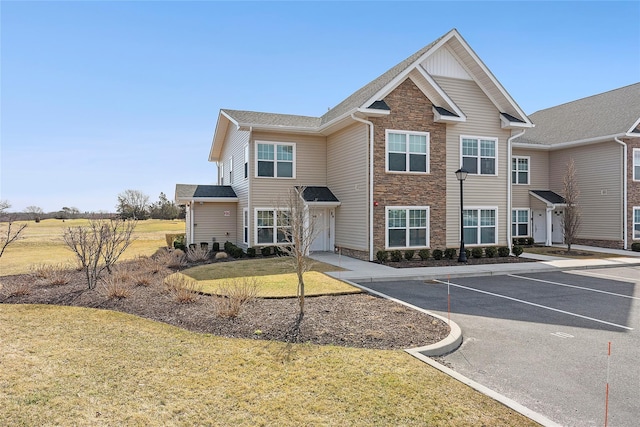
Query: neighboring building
[379, 167]
[602, 134]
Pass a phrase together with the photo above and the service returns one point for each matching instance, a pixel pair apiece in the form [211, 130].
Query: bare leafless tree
[99, 245]
[572, 218]
[10, 230]
[35, 212]
[133, 204]
[299, 230]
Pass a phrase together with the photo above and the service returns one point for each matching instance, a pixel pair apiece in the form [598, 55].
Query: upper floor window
[407, 151]
[246, 161]
[231, 170]
[407, 227]
[276, 160]
[636, 164]
[520, 170]
[479, 155]
[480, 226]
[221, 173]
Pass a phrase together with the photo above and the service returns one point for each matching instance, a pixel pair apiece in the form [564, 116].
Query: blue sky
[100, 97]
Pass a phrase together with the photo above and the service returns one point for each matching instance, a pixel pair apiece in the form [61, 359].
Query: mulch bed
[454, 262]
[357, 320]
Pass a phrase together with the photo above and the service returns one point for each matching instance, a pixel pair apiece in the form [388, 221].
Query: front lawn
[78, 366]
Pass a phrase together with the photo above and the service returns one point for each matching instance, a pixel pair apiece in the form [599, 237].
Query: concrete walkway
[363, 271]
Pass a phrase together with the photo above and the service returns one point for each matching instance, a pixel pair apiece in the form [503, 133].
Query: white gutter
[624, 190]
[509, 185]
[370, 124]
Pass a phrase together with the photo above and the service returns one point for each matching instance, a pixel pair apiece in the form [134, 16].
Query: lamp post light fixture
[461, 174]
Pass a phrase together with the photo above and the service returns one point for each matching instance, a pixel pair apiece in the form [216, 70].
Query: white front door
[539, 227]
[323, 227]
[557, 234]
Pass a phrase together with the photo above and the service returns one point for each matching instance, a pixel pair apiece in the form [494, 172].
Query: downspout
[191, 213]
[509, 189]
[370, 124]
[624, 190]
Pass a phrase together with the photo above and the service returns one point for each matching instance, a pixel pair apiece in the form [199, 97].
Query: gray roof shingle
[549, 196]
[318, 194]
[605, 114]
[189, 191]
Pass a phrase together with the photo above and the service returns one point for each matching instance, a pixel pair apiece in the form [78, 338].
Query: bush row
[449, 253]
[635, 247]
[523, 241]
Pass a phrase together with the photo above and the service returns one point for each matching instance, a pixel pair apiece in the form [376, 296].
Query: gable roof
[598, 117]
[366, 101]
[548, 197]
[205, 193]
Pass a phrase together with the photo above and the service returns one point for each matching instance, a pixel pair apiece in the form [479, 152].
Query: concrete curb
[541, 419]
[447, 345]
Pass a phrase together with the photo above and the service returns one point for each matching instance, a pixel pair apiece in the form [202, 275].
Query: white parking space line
[609, 276]
[535, 305]
[573, 286]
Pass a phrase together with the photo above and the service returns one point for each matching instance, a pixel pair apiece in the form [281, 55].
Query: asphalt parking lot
[543, 339]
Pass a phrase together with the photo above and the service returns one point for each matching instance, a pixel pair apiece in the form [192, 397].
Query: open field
[77, 366]
[42, 243]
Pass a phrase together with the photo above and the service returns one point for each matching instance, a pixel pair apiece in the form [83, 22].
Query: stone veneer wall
[410, 111]
[611, 244]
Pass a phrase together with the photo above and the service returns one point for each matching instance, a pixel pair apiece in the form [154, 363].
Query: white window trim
[517, 223]
[386, 227]
[528, 159]
[245, 226]
[231, 170]
[275, 227]
[407, 132]
[246, 161]
[633, 223]
[479, 208]
[633, 168]
[487, 138]
[275, 161]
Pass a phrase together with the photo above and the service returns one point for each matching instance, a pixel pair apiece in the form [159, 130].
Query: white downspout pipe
[191, 214]
[370, 124]
[624, 190]
[509, 189]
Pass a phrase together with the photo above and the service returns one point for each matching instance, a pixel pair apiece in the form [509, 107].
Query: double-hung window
[245, 226]
[231, 170]
[479, 155]
[520, 222]
[246, 161]
[275, 160]
[407, 151]
[520, 170]
[272, 226]
[636, 164]
[636, 223]
[407, 227]
[480, 226]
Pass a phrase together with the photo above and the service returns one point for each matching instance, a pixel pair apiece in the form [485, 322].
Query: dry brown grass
[172, 258]
[234, 294]
[19, 288]
[197, 254]
[117, 285]
[51, 274]
[183, 289]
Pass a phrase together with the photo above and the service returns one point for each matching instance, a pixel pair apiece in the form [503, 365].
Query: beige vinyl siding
[599, 172]
[348, 179]
[483, 120]
[209, 221]
[234, 146]
[311, 170]
[538, 176]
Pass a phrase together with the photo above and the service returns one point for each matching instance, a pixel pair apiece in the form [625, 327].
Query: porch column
[549, 220]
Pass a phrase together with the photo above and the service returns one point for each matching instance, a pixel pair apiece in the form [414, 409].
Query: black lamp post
[461, 174]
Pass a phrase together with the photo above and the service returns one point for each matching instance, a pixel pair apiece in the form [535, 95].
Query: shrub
[408, 255]
[197, 254]
[396, 256]
[517, 250]
[503, 251]
[221, 255]
[172, 238]
[216, 247]
[205, 246]
[183, 289]
[141, 279]
[635, 247]
[476, 252]
[424, 254]
[450, 253]
[18, 289]
[176, 259]
[234, 294]
[116, 287]
[437, 254]
[265, 250]
[51, 274]
[237, 252]
[490, 251]
[382, 256]
[529, 241]
[227, 247]
[251, 252]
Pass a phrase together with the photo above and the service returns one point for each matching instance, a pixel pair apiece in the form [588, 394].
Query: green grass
[76, 366]
[42, 243]
[273, 275]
